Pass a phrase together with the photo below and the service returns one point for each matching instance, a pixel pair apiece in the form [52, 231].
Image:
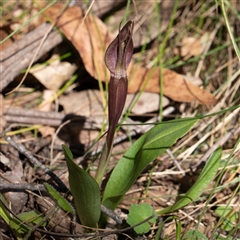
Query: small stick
[31, 116]
[9, 187]
[35, 162]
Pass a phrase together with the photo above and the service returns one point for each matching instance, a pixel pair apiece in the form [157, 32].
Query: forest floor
[54, 91]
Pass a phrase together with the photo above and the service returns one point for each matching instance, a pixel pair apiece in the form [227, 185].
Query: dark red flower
[117, 59]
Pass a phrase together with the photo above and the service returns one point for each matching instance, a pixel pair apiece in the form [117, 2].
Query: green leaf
[206, 177]
[85, 191]
[194, 235]
[31, 218]
[140, 154]
[227, 219]
[8, 218]
[18, 227]
[140, 212]
[61, 201]
[3, 212]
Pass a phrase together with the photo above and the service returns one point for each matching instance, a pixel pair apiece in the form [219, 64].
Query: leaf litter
[88, 43]
[90, 36]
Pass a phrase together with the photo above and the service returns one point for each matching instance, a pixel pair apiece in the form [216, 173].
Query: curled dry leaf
[91, 37]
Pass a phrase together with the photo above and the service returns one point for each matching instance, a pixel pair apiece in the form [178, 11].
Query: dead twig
[54, 119]
[9, 187]
[34, 161]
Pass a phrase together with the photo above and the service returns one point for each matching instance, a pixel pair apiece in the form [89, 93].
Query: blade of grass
[229, 29]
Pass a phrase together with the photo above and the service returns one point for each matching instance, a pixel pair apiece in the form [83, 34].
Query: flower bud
[117, 59]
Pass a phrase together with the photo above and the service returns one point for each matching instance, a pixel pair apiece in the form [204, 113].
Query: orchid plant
[117, 59]
[85, 189]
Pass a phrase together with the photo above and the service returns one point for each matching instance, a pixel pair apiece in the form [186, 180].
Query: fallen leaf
[6, 43]
[191, 46]
[91, 38]
[46, 103]
[53, 75]
[194, 80]
[174, 86]
[60, 223]
[46, 131]
[170, 229]
[147, 102]
[88, 103]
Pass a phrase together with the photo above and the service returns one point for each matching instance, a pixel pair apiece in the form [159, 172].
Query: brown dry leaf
[4, 160]
[6, 43]
[191, 46]
[46, 131]
[170, 228]
[91, 39]
[60, 222]
[174, 86]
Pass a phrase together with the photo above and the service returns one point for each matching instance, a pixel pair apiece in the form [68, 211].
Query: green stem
[105, 156]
